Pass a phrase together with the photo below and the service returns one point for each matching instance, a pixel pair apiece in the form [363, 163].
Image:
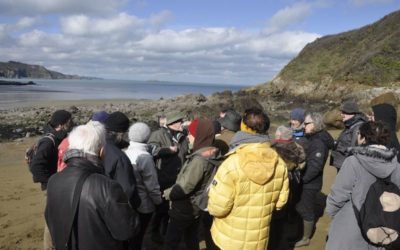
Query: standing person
[248, 186]
[102, 218]
[320, 142]
[230, 124]
[285, 221]
[387, 114]
[169, 148]
[44, 162]
[146, 178]
[191, 182]
[100, 116]
[117, 165]
[352, 119]
[297, 125]
[371, 160]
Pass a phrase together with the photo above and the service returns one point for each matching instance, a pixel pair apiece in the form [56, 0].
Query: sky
[205, 41]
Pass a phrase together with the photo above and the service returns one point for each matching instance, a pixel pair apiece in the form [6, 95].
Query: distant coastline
[16, 83]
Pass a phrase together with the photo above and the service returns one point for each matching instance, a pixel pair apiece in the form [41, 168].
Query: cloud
[288, 16]
[35, 7]
[124, 46]
[360, 3]
[84, 25]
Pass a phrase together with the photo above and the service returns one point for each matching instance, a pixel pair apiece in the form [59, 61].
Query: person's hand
[166, 193]
[174, 148]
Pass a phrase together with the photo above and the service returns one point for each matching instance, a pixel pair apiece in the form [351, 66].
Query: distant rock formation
[15, 83]
[13, 69]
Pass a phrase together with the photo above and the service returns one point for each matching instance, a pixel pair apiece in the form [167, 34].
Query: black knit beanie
[59, 117]
[117, 122]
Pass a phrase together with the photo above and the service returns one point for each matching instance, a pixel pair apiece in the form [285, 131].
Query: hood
[205, 134]
[210, 153]
[324, 136]
[357, 118]
[377, 160]
[258, 161]
[242, 137]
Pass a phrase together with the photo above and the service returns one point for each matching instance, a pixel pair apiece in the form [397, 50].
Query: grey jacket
[352, 184]
[146, 176]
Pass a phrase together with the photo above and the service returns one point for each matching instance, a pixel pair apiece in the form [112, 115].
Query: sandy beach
[21, 206]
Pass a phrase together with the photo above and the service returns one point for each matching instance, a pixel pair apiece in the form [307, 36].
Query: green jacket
[191, 182]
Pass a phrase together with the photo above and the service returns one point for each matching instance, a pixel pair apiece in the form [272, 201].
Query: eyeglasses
[306, 123]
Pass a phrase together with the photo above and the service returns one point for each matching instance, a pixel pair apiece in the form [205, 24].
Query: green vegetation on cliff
[369, 56]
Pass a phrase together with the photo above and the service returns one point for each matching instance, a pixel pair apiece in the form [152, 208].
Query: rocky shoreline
[15, 83]
[28, 121]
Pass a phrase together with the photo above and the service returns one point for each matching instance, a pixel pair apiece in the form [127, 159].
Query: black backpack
[31, 151]
[379, 227]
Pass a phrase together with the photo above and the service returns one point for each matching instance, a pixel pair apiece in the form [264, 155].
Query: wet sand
[21, 202]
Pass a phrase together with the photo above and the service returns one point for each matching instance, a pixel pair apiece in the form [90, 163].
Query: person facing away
[104, 219]
[248, 186]
[146, 177]
[169, 148]
[190, 183]
[387, 114]
[44, 162]
[230, 124]
[352, 119]
[370, 160]
[117, 165]
[284, 222]
[100, 116]
[317, 151]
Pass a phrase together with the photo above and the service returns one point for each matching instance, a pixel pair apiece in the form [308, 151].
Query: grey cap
[350, 107]
[231, 120]
[174, 117]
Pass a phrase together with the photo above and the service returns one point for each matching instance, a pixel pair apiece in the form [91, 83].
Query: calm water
[48, 90]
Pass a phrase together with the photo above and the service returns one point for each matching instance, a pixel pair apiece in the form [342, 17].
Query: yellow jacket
[248, 186]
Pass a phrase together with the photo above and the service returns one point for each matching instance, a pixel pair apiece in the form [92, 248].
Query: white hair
[88, 138]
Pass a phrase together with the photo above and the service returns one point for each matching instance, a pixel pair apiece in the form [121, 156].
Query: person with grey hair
[146, 177]
[319, 144]
[86, 209]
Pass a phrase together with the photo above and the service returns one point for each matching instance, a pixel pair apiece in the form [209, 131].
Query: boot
[307, 232]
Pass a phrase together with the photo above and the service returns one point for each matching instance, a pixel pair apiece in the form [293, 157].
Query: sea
[99, 89]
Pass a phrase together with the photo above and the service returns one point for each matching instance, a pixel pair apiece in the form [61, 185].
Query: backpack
[379, 215]
[201, 199]
[31, 151]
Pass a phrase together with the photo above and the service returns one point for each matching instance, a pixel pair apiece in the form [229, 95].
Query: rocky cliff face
[336, 66]
[13, 69]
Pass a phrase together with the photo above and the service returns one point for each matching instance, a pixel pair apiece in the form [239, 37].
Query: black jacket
[346, 139]
[317, 153]
[104, 219]
[44, 162]
[118, 167]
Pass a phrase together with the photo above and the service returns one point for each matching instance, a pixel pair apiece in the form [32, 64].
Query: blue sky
[230, 42]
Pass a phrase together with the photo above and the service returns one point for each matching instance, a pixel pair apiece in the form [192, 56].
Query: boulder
[332, 118]
[389, 97]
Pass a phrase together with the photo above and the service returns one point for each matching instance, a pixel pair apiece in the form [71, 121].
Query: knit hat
[174, 117]
[231, 120]
[283, 133]
[100, 116]
[349, 107]
[139, 132]
[117, 122]
[297, 114]
[59, 117]
[193, 127]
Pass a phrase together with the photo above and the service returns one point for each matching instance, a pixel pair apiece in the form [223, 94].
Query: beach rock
[389, 97]
[333, 119]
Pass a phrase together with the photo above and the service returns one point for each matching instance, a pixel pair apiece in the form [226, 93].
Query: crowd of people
[108, 183]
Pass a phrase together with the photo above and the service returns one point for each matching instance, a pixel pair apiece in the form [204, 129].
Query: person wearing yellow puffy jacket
[248, 186]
